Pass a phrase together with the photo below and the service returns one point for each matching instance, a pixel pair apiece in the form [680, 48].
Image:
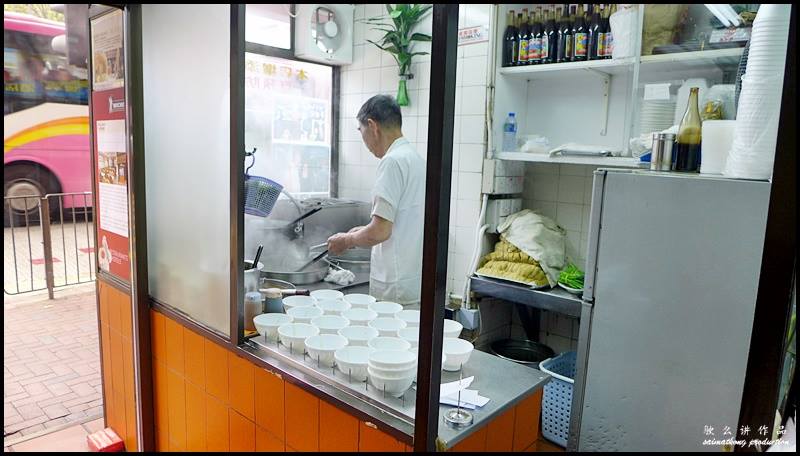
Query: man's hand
[355, 229]
[338, 243]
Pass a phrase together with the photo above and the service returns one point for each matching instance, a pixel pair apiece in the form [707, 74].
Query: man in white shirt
[398, 207]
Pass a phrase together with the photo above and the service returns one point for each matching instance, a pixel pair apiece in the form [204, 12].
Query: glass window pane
[187, 158]
[672, 28]
[269, 25]
[288, 121]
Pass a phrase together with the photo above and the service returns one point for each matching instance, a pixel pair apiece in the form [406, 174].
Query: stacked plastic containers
[752, 154]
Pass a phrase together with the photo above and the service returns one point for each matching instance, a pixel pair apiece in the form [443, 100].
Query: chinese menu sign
[110, 146]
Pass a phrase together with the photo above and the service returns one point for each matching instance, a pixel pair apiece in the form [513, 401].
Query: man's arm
[378, 230]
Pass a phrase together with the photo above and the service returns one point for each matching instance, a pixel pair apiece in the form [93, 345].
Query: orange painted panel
[241, 386]
[526, 424]
[476, 442]
[242, 432]
[216, 360]
[195, 418]
[176, 395]
[117, 373]
[194, 358]
[124, 304]
[500, 433]
[114, 312]
[176, 447]
[162, 440]
[158, 335]
[174, 346]
[338, 431]
[118, 412]
[370, 438]
[130, 395]
[160, 397]
[269, 402]
[265, 441]
[302, 419]
[102, 297]
[534, 448]
[409, 449]
[216, 425]
[105, 347]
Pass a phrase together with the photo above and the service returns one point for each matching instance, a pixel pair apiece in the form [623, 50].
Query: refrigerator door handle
[595, 217]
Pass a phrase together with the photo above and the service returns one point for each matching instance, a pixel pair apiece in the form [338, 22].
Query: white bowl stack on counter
[333, 306]
[358, 336]
[321, 348]
[359, 300]
[363, 338]
[386, 309]
[392, 371]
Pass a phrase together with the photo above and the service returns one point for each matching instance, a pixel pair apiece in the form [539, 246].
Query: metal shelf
[556, 299]
[621, 162]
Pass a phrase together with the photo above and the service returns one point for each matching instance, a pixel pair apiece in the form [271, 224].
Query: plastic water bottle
[510, 133]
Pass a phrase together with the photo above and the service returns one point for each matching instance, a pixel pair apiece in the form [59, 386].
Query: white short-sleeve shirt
[399, 197]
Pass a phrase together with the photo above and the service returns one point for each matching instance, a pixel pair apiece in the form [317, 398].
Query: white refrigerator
[671, 280]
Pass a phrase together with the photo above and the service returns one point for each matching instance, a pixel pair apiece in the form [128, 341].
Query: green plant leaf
[395, 14]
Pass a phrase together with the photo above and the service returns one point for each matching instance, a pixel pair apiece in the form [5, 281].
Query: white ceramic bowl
[319, 295]
[321, 348]
[359, 316]
[358, 335]
[353, 361]
[294, 335]
[298, 301]
[410, 335]
[267, 324]
[304, 314]
[414, 350]
[359, 300]
[394, 374]
[386, 309]
[392, 359]
[389, 343]
[457, 352]
[333, 306]
[452, 328]
[387, 327]
[330, 324]
[411, 317]
[395, 387]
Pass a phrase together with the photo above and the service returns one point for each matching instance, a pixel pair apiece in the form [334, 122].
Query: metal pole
[44, 216]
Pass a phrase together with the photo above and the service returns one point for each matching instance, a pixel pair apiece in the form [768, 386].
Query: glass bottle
[686, 157]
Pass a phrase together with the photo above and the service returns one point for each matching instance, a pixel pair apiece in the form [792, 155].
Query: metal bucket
[525, 352]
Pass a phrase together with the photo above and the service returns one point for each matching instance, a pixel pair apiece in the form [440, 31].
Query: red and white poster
[111, 155]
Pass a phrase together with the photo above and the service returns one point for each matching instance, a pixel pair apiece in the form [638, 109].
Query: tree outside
[39, 10]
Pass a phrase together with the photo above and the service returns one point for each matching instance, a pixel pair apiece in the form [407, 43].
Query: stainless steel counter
[505, 383]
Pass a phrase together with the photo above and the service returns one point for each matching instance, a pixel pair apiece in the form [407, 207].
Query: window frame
[289, 54]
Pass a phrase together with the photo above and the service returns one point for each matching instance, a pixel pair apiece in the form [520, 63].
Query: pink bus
[46, 114]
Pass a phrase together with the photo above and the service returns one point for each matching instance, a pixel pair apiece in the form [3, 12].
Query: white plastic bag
[623, 28]
[536, 144]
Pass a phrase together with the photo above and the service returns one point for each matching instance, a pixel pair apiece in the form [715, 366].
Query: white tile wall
[374, 71]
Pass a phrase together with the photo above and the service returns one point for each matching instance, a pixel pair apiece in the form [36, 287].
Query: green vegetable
[572, 277]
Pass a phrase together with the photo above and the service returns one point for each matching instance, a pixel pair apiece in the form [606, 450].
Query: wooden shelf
[618, 162]
[559, 70]
[691, 60]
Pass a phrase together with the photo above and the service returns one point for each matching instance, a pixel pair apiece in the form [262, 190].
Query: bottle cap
[511, 114]
[253, 296]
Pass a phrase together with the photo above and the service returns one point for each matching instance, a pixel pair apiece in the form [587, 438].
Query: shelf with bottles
[557, 38]
[557, 70]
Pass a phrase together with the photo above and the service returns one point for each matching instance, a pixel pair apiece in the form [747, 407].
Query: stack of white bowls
[752, 154]
[392, 371]
[656, 115]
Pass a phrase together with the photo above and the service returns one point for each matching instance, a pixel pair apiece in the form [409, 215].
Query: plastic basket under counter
[557, 399]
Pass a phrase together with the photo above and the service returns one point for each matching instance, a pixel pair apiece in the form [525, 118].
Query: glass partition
[186, 64]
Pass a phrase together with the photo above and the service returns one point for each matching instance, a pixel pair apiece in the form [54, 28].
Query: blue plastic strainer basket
[260, 195]
[557, 399]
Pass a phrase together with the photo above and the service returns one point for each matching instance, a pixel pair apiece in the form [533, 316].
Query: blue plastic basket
[557, 400]
[260, 195]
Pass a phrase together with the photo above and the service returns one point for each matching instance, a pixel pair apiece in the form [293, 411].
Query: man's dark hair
[383, 109]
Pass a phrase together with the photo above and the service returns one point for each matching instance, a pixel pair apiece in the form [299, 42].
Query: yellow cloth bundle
[509, 262]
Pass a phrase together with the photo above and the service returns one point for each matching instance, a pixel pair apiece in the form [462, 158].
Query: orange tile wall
[116, 344]
[208, 398]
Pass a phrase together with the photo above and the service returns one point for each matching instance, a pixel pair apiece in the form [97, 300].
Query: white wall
[374, 71]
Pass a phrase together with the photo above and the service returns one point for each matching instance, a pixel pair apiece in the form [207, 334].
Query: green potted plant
[398, 39]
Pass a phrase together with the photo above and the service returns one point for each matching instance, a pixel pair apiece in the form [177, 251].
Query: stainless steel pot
[251, 275]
